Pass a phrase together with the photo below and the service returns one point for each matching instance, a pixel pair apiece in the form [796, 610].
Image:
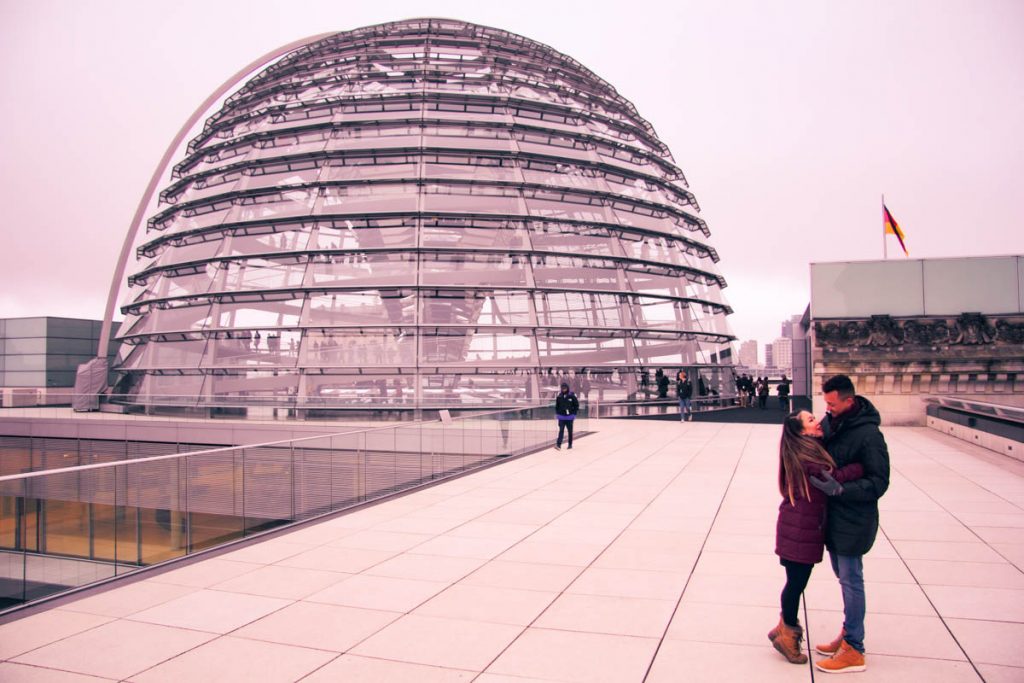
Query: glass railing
[68, 527]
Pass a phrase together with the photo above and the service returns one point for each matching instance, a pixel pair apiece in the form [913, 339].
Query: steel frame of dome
[419, 213]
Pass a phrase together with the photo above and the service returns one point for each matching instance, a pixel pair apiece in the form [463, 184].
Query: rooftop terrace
[644, 554]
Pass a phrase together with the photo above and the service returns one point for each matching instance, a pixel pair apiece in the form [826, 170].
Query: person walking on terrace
[800, 529]
[783, 390]
[566, 408]
[762, 392]
[851, 436]
[684, 390]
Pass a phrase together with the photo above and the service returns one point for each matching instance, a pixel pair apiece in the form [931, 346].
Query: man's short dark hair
[841, 384]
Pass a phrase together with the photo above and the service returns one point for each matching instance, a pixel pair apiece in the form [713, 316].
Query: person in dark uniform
[566, 408]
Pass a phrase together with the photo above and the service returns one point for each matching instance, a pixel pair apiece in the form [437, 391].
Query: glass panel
[470, 167]
[174, 319]
[352, 238]
[197, 251]
[346, 390]
[467, 237]
[372, 168]
[283, 313]
[167, 285]
[369, 199]
[572, 309]
[369, 271]
[172, 388]
[269, 347]
[259, 273]
[176, 354]
[294, 240]
[574, 273]
[354, 349]
[473, 270]
[476, 198]
[580, 351]
[575, 239]
[254, 387]
[383, 307]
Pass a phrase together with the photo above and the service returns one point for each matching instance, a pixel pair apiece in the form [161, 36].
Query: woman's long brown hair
[795, 449]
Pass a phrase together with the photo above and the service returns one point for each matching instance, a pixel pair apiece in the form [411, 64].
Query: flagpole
[885, 244]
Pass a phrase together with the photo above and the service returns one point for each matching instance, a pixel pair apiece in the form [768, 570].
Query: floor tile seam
[44, 667]
[583, 569]
[274, 597]
[443, 617]
[256, 639]
[953, 515]
[170, 569]
[477, 517]
[935, 584]
[385, 659]
[707, 535]
[988, 620]
[216, 636]
[935, 461]
[382, 561]
[459, 580]
[581, 465]
[591, 631]
[109, 620]
[934, 607]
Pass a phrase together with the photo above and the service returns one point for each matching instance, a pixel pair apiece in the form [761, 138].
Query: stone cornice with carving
[971, 331]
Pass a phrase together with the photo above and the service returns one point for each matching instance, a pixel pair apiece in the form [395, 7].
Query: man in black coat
[566, 408]
[851, 435]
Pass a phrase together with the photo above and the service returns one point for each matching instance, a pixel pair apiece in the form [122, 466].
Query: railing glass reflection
[124, 510]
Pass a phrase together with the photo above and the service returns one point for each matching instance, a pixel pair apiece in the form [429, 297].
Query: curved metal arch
[161, 169]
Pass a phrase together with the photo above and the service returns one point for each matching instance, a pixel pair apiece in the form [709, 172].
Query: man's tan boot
[833, 647]
[787, 642]
[845, 660]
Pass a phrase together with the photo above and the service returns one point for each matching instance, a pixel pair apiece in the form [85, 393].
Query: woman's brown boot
[774, 633]
[788, 642]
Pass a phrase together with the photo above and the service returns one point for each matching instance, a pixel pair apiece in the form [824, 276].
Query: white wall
[914, 287]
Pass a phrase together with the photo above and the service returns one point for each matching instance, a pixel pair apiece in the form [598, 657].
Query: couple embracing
[831, 475]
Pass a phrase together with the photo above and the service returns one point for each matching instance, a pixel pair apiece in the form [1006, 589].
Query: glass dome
[421, 213]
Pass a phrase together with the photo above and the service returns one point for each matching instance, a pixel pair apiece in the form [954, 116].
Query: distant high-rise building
[748, 353]
[769, 359]
[791, 327]
[782, 353]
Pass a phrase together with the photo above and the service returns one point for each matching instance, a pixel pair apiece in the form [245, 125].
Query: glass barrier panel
[214, 499]
[267, 487]
[381, 460]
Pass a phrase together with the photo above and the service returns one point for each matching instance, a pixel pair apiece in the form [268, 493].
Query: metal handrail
[982, 408]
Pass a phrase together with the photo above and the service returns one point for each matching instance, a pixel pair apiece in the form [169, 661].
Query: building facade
[748, 354]
[907, 330]
[782, 354]
[426, 212]
[39, 357]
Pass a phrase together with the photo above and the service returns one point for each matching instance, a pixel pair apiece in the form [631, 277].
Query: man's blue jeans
[850, 571]
[684, 407]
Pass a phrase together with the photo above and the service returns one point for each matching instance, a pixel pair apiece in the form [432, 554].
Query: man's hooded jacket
[853, 515]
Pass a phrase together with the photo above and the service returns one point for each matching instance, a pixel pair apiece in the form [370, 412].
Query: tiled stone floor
[644, 554]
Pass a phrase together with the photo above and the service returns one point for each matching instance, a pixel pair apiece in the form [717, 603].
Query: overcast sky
[790, 119]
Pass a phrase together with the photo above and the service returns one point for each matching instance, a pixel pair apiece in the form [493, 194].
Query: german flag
[893, 228]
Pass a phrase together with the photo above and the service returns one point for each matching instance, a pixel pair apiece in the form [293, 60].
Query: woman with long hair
[800, 530]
